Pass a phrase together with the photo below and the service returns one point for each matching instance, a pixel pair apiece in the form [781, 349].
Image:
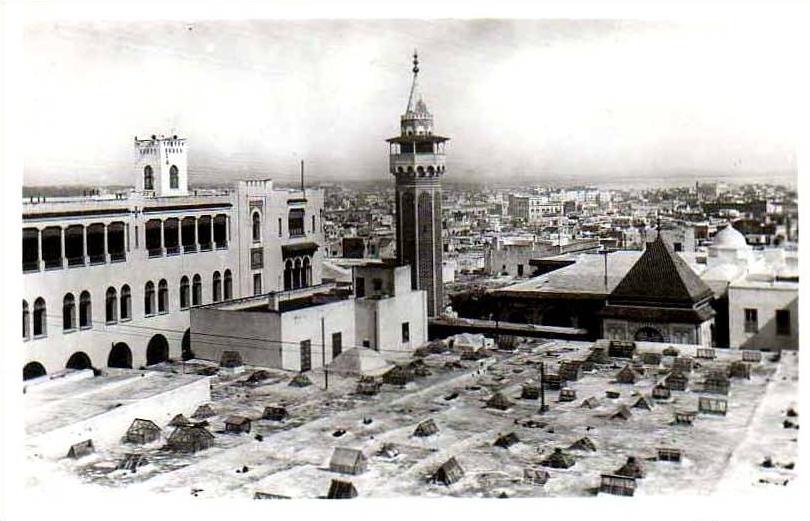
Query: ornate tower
[417, 162]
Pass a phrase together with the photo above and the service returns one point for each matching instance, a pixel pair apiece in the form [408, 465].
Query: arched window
[148, 178]
[288, 275]
[257, 227]
[196, 290]
[217, 292]
[40, 328]
[111, 305]
[126, 302]
[69, 312]
[149, 299]
[25, 319]
[85, 310]
[184, 292]
[228, 285]
[307, 273]
[174, 177]
[297, 274]
[163, 296]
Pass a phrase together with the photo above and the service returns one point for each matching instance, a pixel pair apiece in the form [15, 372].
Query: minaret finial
[415, 62]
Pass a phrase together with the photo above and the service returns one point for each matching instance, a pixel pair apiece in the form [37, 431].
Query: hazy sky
[597, 99]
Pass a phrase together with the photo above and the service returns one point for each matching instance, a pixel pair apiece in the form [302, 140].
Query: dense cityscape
[410, 335]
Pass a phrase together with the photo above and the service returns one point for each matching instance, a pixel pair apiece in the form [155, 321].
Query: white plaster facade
[133, 244]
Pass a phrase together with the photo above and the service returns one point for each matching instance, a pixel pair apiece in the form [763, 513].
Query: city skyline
[609, 100]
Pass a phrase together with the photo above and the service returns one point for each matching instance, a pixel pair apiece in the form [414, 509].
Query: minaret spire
[414, 96]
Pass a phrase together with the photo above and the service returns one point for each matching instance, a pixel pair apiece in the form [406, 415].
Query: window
[783, 322]
[184, 288]
[126, 303]
[196, 290]
[257, 283]
[366, 343]
[313, 224]
[148, 178]
[163, 296]
[257, 258]
[25, 318]
[406, 332]
[360, 289]
[85, 310]
[228, 285]
[149, 299]
[111, 306]
[677, 246]
[306, 274]
[40, 328]
[288, 269]
[306, 355]
[337, 344]
[280, 231]
[221, 231]
[297, 274]
[377, 283]
[174, 181]
[217, 292]
[257, 227]
[751, 325]
[295, 222]
[153, 233]
[520, 270]
[69, 312]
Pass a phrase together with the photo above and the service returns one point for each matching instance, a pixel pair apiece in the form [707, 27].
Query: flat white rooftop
[76, 401]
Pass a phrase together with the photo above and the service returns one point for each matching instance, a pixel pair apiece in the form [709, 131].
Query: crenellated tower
[417, 163]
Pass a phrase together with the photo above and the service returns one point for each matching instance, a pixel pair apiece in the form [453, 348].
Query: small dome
[729, 238]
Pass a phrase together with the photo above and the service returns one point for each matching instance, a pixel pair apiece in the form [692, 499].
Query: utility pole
[543, 406]
[604, 253]
[303, 192]
[323, 354]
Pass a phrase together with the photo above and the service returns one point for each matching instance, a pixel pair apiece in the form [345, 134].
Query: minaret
[417, 162]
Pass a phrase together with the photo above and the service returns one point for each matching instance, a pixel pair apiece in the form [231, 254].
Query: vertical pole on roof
[543, 406]
[303, 193]
[323, 354]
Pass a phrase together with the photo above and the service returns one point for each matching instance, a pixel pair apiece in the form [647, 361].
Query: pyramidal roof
[359, 361]
[660, 276]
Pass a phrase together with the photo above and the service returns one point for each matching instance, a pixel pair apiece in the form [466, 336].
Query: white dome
[729, 238]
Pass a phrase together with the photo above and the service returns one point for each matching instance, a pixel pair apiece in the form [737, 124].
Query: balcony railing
[30, 266]
[190, 248]
[205, 247]
[222, 245]
[172, 250]
[75, 261]
[155, 252]
[118, 257]
[99, 258]
[52, 264]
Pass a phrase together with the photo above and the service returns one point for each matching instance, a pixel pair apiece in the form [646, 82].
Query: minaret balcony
[416, 160]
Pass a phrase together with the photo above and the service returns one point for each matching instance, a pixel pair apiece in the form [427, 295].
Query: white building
[108, 281]
[307, 328]
[761, 288]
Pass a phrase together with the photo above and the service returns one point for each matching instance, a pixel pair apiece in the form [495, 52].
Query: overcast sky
[597, 99]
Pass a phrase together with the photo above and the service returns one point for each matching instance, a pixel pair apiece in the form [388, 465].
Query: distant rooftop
[586, 276]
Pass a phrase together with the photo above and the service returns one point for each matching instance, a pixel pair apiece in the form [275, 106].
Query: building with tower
[416, 159]
[109, 281]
